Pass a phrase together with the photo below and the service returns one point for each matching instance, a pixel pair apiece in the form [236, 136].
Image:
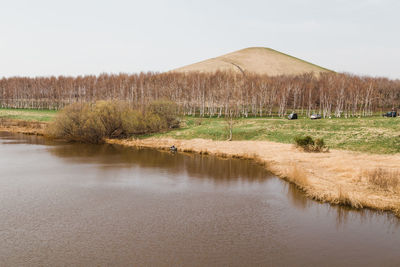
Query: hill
[258, 60]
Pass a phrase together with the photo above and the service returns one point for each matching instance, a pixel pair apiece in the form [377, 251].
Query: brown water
[64, 204]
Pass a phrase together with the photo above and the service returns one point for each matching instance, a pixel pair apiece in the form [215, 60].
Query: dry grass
[25, 127]
[204, 152]
[258, 60]
[388, 180]
[297, 176]
[345, 198]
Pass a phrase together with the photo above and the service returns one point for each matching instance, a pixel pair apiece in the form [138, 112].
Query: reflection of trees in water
[200, 166]
[19, 138]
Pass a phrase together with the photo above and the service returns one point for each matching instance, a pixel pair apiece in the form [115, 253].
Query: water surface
[73, 204]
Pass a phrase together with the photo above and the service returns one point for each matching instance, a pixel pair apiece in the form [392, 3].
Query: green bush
[166, 110]
[110, 116]
[77, 123]
[91, 123]
[133, 123]
[304, 142]
[154, 123]
[308, 144]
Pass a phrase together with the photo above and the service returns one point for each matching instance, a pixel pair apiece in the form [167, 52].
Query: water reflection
[7, 138]
[195, 165]
[111, 205]
[217, 170]
[343, 214]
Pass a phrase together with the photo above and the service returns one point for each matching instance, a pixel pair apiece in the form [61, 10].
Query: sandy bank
[335, 177]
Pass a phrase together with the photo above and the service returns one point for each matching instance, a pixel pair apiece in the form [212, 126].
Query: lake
[96, 205]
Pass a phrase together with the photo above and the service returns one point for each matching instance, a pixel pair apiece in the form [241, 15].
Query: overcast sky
[77, 37]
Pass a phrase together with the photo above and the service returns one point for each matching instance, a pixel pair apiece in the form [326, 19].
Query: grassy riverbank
[28, 114]
[377, 135]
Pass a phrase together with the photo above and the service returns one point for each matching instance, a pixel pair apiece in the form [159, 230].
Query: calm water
[64, 204]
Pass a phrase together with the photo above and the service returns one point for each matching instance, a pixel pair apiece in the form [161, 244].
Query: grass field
[28, 114]
[373, 134]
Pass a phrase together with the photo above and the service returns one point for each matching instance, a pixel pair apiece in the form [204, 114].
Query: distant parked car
[292, 116]
[390, 114]
[315, 116]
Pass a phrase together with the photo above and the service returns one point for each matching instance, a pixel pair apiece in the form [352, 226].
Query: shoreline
[336, 177]
[21, 126]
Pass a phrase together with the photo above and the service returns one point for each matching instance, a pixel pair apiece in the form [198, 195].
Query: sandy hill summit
[258, 60]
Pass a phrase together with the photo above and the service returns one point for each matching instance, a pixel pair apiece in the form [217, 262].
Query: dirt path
[335, 177]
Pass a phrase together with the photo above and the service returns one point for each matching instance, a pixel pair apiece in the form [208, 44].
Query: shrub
[308, 144]
[84, 122]
[132, 122]
[110, 116]
[77, 123]
[154, 123]
[304, 142]
[319, 144]
[165, 110]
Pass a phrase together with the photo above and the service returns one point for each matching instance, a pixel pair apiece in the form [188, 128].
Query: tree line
[217, 94]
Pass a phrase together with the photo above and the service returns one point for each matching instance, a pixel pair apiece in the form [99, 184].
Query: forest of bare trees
[199, 94]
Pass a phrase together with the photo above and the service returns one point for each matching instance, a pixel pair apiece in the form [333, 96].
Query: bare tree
[230, 120]
[201, 94]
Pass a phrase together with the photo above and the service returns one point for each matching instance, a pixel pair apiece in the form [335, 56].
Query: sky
[55, 37]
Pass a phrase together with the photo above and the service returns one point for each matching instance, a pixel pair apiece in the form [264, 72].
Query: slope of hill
[258, 60]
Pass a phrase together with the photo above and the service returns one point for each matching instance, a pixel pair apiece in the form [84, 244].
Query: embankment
[336, 177]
